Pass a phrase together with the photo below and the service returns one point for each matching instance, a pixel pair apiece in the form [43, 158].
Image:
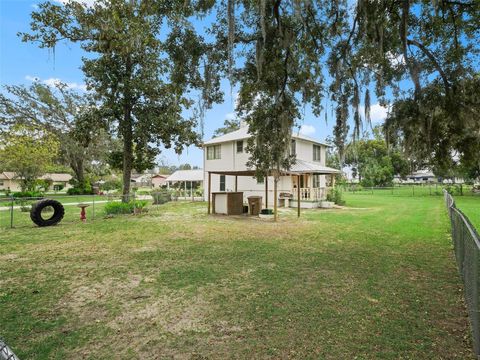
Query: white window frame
[223, 181]
[239, 142]
[214, 152]
[317, 153]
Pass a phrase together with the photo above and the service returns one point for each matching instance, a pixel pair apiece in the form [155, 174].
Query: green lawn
[470, 205]
[374, 281]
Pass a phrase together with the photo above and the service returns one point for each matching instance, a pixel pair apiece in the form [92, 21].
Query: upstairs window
[214, 152]
[293, 147]
[317, 153]
[222, 182]
[240, 146]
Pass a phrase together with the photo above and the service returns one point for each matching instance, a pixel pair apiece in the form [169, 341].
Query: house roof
[242, 133]
[7, 175]
[159, 176]
[60, 177]
[186, 175]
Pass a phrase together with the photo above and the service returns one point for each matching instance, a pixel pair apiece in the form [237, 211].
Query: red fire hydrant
[83, 215]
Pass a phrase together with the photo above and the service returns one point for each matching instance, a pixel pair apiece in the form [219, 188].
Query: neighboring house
[141, 180]
[425, 176]
[9, 182]
[225, 159]
[192, 177]
[159, 180]
[187, 181]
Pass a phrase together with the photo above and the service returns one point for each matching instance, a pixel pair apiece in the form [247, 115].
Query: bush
[28, 194]
[335, 196]
[161, 197]
[84, 188]
[116, 208]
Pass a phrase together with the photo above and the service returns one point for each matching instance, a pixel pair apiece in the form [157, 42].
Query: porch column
[185, 187]
[191, 190]
[236, 183]
[298, 195]
[333, 180]
[266, 192]
[209, 190]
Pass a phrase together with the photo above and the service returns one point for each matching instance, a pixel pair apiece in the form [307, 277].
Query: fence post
[11, 212]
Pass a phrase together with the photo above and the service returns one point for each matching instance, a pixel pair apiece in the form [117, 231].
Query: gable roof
[159, 176]
[242, 133]
[60, 177]
[7, 175]
[186, 175]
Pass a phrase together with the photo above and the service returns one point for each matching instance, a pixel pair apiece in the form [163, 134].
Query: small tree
[28, 152]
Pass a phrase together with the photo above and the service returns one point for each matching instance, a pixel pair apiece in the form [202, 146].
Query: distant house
[159, 180]
[141, 180]
[191, 177]
[10, 182]
[225, 159]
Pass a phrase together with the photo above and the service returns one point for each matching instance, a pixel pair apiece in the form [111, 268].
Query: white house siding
[231, 160]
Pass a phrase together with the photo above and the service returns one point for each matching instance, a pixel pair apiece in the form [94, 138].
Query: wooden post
[185, 187]
[236, 183]
[266, 192]
[298, 195]
[191, 190]
[333, 180]
[275, 216]
[209, 190]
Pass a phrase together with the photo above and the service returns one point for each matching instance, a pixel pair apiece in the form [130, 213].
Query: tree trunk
[127, 159]
[77, 166]
[127, 132]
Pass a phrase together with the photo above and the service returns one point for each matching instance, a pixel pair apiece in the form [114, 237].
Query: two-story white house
[225, 159]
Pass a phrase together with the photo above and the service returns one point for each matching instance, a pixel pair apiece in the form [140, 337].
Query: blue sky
[21, 63]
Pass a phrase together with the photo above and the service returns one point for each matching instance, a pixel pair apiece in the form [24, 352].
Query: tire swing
[39, 206]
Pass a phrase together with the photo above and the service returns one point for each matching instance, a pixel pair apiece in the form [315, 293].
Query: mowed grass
[374, 281]
[470, 206]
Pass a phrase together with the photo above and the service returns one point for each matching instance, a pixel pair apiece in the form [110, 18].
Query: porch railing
[310, 193]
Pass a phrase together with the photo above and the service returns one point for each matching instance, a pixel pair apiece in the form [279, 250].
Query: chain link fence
[466, 243]
[5, 352]
[15, 211]
[410, 190]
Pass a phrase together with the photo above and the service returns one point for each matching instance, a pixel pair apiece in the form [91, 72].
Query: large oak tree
[143, 58]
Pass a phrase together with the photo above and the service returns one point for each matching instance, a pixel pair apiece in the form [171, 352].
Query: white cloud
[378, 113]
[88, 3]
[307, 129]
[54, 81]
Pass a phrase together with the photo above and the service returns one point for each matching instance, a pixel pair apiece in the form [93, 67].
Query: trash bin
[254, 204]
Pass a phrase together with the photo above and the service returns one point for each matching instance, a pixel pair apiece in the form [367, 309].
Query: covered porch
[306, 186]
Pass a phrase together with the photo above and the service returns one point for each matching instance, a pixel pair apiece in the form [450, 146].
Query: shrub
[116, 208]
[28, 194]
[161, 197]
[335, 196]
[84, 188]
